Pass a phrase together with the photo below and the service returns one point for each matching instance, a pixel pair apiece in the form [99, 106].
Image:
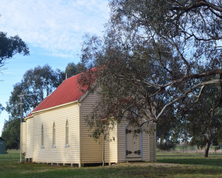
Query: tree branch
[196, 5]
[186, 93]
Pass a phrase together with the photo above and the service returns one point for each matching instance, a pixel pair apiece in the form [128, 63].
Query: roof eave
[54, 107]
[29, 117]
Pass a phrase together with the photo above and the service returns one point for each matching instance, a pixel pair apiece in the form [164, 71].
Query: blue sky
[53, 31]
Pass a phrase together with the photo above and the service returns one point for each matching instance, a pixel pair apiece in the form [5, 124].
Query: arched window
[67, 133]
[53, 135]
[42, 137]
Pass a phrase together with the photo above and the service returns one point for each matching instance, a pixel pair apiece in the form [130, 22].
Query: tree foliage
[202, 123]
[166, 146]
[154, 57]
[199, 142]
[1, 108]
[73, 69]
[9, 46]
[11, 133]
[36, 84]
[70, 70]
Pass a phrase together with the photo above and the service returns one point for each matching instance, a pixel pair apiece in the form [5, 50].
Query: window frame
[67, 133]
[42, 136]
[53, 135]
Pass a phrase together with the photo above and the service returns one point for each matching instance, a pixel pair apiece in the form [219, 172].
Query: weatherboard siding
[145, 140]
[152, 142]
[59, 154]
[111, 148]
[23, 126]
[91, 150]
[121, 141]
[29, 140]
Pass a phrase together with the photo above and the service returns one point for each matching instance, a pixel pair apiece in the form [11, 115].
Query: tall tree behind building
[154, 57]
[36, 84]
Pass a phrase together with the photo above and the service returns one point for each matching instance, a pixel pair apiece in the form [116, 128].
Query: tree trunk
[206, 151]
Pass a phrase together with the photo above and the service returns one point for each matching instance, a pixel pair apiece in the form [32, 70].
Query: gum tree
[9, 46]
[200, 121]
[154, 58]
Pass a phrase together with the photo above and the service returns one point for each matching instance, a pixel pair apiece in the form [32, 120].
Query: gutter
[25, 119]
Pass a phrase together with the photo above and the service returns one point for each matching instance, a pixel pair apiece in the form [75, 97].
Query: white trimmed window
[67, 134]
[42, 137]
[53, 135]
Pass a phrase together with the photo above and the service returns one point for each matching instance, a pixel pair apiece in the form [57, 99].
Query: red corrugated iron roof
[67, 92]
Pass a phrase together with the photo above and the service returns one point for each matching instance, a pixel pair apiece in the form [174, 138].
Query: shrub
[167, 146]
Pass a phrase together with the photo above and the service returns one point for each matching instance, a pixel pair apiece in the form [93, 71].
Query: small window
[53, 136]
[42, 137]
[67, 134]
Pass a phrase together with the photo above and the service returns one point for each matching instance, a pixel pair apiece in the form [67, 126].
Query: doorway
[133, 142]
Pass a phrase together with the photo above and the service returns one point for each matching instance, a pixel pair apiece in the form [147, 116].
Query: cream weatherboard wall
[23, 126]
[60, 153]
[145, 145]
[29, 138]
[91, 150]
[111, 146]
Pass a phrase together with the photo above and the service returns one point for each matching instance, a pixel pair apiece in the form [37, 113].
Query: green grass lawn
[189, 165]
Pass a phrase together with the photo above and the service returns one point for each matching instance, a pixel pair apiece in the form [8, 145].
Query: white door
[132, 142]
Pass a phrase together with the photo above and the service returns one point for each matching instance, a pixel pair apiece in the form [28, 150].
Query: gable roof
[67, 92]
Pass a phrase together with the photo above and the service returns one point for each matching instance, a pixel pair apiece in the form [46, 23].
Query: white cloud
[57, 26]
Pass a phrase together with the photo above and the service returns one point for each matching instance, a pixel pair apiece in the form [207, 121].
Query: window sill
[53, 146]
[66, 146]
